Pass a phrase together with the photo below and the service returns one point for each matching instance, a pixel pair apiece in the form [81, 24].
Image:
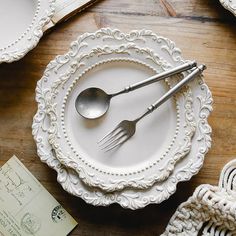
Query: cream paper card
[64, 9]
[26, 207]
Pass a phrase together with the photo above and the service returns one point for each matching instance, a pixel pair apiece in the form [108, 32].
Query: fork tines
[114, 138]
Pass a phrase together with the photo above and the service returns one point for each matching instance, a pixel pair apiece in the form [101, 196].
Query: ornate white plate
[229, 5]
[21, 26]
[161, 141]
[127, 198]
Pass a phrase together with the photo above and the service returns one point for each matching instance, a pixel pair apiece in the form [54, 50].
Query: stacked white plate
[169, 145]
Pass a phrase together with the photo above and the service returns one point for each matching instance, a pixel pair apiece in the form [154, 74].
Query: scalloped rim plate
[25, 20]
[156, 156]
[127, 198]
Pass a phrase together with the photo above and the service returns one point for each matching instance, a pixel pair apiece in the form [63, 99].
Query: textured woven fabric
[211, 210]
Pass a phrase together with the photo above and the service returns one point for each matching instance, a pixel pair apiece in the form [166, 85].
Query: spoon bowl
[92, 103]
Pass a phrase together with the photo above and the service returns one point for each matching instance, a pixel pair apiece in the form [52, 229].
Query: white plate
[127, 198]
[21, 26]
[161, 140]
[229, 5]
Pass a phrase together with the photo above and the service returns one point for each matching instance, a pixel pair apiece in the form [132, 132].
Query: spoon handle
[173, 91]
[157, 77]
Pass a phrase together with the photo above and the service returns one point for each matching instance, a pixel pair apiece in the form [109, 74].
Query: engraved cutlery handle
[158, 77]
[173, 91]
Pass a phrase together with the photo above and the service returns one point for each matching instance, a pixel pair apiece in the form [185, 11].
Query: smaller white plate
[22, 25]
[229, 5]
[161, 141]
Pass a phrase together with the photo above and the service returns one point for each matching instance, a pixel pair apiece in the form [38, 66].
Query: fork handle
[157, 77]
[173, 91]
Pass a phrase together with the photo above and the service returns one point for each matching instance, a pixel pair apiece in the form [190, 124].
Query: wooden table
[204, 31]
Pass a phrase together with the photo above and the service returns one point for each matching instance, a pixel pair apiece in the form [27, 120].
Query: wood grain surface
[204, 31]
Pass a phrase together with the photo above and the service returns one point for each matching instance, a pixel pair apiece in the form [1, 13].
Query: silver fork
[126, 128]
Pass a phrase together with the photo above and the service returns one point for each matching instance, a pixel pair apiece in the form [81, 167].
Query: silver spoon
[93, 102]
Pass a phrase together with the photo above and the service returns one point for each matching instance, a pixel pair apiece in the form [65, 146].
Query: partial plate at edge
[132, 199]
[230, 5]
[22, 25]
